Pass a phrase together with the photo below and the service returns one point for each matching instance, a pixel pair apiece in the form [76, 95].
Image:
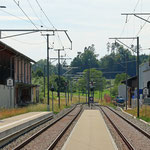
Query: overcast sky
[87, 21]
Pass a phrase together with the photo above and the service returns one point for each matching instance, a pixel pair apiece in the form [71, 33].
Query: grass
[144, 112]
[5, 113]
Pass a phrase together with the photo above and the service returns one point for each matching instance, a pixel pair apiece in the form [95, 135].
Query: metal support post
[68, 91]
[126, 83]
[59, 78]
[52, 89]
[44, 81]
[138, 95]
[71, 91]
[66, 95]
[79, 96]
[137, 66]
[48, 106]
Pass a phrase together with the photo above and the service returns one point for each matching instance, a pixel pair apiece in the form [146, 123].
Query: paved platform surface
[90, 133]
[7, 126]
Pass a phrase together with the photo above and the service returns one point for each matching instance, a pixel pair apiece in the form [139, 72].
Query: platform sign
[91, 99]
[10, 82]
[145, 91]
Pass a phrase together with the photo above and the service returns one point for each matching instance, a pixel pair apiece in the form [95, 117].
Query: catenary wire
[49, 21]
[128, 18]
[25, 14]
[17, 16]
[36, 13]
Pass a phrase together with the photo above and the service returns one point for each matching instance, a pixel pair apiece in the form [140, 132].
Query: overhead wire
[141, 27]
[28, 17]
[128, 18]
[45, 14]
[17, 16]
[36, 13]
[49, 22]
[25, 14]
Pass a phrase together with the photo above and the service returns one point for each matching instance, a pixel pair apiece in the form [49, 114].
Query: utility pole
[59, 77]
[44, 81]
[71, 91]
[126, 68]
[137, 66]
[48, 107]
[68, 91]
[58, 74]
[66, 94]
[138, 94]
[88, 81]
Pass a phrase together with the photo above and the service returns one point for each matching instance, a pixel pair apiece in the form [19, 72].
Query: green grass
[5, 113]
[144, 112]
[147, 119]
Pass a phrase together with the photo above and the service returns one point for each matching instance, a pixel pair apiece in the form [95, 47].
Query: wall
[146, 77]
[122, 91]
[5, 97]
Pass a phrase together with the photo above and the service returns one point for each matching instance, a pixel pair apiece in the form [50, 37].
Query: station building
[16, 66]
[144, 86]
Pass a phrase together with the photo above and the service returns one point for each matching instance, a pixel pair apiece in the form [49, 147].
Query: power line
[49, 21]
[140, 29]
[128, 19]
[28, 17]
[16, 16]
[44, 14]
[25, 14]
[35, 13]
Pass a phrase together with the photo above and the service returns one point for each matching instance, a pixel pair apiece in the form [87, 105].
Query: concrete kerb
[134, 116]
[12, 133]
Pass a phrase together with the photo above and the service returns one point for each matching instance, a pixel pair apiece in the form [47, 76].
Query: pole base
[48, 109]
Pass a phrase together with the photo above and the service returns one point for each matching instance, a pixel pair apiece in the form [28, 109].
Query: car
[120, 100]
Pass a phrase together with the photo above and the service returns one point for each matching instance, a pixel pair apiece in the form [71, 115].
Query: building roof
[130, 80]
[7, 47]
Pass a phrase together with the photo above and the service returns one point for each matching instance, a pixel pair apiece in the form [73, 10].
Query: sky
[87, 21]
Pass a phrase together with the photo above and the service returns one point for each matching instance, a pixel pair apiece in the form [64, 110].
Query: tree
[95, 77]
[85, 60]
[119, 78]
[39, 73]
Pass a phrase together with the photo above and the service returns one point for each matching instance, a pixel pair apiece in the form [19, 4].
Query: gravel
[44, 140]
[142, 125]
[25, 136]
[117, 139]
[137, 140]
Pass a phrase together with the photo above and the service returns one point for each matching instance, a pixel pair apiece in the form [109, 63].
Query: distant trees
[85, 60]
[113, 62]
[96, 78]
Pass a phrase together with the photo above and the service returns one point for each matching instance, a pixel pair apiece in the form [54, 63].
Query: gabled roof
[7, 47]
[130, 79]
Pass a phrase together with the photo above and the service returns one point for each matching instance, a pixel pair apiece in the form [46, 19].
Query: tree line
[107, 67]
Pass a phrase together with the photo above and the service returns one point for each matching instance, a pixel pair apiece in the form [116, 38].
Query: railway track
[10, 138]
[48, 137]
[133, 136]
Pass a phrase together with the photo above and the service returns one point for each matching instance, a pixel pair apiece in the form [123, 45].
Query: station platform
[22, 123]
[90, 133]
